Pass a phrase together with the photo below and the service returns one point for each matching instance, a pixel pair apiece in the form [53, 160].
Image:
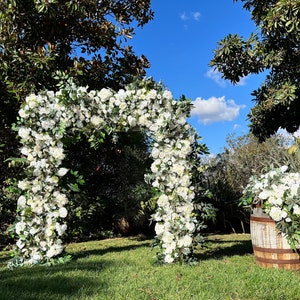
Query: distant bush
[226, 174]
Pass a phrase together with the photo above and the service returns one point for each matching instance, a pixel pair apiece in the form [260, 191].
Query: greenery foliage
[108, 194]
[274, 48]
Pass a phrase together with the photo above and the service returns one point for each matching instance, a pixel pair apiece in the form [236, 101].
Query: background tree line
[226, 174]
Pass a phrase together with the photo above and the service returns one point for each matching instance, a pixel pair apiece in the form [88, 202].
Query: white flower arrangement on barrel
[277, 193]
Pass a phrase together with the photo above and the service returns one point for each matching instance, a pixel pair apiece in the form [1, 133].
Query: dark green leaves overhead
[274, 48]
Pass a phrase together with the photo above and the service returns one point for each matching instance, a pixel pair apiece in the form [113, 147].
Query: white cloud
[216, 77]
[289, 136]
[196, 16]
[215, 110]
[242, 81]
[183, 16]
[186, 16]
[236, 126]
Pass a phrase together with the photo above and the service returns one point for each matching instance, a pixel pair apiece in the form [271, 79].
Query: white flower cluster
[278, 192]
[46, 118]
[276, 189]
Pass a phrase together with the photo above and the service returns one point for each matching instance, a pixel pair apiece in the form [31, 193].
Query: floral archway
[46, 118]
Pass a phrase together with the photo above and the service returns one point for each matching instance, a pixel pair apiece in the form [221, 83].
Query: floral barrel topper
[278, 194]
[46, 118]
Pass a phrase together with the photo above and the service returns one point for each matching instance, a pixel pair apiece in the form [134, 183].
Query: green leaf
[16, 159]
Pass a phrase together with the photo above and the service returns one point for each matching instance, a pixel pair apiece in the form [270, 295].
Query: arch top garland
[46, 118]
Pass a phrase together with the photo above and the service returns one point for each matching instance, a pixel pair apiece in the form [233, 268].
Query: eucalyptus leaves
[46, 118]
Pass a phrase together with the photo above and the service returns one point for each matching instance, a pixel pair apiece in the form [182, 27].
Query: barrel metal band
[260, 219]
[272, 250]
[278, 262]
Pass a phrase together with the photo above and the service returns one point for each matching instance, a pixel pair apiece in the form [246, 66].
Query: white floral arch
[49, 116]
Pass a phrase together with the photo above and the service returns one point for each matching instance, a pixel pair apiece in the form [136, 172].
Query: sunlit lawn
[123, 269]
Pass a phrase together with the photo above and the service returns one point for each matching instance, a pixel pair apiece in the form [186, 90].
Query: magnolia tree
[48, 118]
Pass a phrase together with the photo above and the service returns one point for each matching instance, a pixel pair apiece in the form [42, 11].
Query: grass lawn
[123, 269]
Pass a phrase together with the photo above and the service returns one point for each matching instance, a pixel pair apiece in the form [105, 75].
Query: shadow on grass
[217, 249]
[57, 282]
[84, 252]
[81, 277]
[66, 281]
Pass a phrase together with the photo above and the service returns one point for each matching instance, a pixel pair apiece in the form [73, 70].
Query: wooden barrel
[271, 249]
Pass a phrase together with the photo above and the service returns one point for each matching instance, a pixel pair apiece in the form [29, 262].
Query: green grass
[123, 269]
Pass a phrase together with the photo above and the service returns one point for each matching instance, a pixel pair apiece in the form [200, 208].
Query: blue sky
[179, 44]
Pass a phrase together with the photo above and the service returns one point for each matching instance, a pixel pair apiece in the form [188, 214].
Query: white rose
[170, 247]
[33, 231]
[131, 121]
[159, 228]
[60, 228]
[294, 189]
[22, 201]
[32, 101]
[264, 195]
[167, 95]
[168, 237]
[163, 200]
[155, 153]
[35, 257]
[169, 259]
[20, 244]
[143, 119]
[123, 105]
[277, 214]
[57, 152]
[179, 169]
[54, 179]
[63, 212]
[155, 165]
[54, 250]
[190, 226]
[20, 226]
[23, 114]
[155, 184]
[49, 231]
[105, 94]
[96, 120]
[115, 101]
[160, 122]
[152, 94]
[43, 245]
[24, 132]
[51, 252]
[185, 241]
[23, 185]
[61, 198]
[62, 171]
[182, 191]
[296, 209]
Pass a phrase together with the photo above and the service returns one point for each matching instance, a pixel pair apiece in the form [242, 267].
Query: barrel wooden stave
[271, 249]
